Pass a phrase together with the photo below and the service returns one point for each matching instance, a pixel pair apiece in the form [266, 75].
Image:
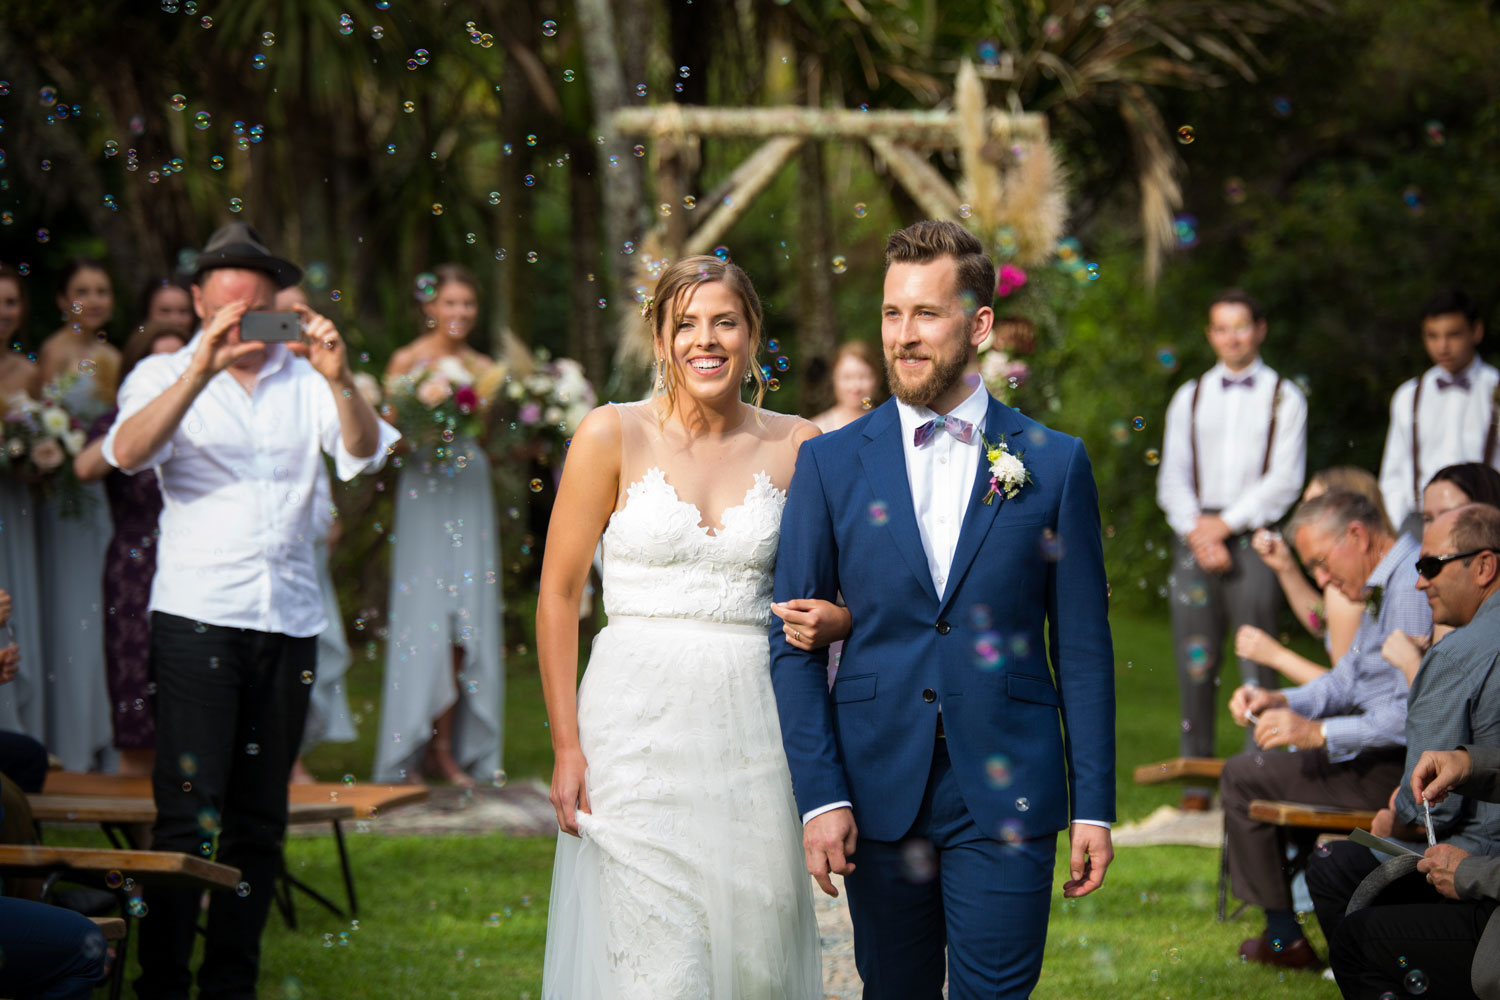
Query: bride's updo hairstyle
[669, 304]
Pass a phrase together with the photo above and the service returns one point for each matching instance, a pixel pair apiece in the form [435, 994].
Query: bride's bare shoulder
[786, 426]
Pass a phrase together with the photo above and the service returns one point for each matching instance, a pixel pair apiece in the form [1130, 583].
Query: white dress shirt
[238, 483]
[941, 474]
[1454, 424]
[1232, 425]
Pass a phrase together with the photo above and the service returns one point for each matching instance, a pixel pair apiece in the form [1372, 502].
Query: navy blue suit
[948, 827]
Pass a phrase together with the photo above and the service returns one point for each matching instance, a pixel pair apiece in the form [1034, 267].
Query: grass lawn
[466, 916]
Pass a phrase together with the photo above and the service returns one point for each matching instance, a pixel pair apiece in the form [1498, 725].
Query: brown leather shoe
[1195, 802]
[1297, 955]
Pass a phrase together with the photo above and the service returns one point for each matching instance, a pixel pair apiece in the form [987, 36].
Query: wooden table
[115, 801]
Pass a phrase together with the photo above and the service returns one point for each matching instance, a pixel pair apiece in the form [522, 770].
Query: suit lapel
[978, 517]
[884, 462]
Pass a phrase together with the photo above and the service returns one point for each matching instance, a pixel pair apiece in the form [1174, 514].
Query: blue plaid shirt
[1362, 700]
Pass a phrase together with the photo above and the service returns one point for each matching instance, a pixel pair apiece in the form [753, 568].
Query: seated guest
[22, 759]
[1451, 487]
[1327, 614]
[1438, 935]
[1348, 724]
[1455, 699]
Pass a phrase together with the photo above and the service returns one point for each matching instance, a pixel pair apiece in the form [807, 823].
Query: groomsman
[1447, 415]
[1233, 459]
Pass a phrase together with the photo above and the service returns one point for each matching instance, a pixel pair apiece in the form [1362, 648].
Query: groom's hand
[827, 842]
[1092, 851]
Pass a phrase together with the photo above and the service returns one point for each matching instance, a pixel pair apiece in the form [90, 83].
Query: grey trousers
[1207, 608]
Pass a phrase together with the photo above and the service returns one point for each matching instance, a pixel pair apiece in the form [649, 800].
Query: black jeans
[230, 704]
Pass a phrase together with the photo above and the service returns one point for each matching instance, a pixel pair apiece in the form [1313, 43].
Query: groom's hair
[930, 239]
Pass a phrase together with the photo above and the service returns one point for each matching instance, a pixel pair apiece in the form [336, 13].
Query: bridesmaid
[444, 667]
[856, 385]
[82, 369]
[129, 566]
[21, 701]
[167, 300]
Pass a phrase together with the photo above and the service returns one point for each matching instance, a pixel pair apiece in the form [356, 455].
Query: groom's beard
[914, 391]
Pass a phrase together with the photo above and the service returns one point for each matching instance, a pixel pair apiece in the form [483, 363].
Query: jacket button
[943, 628]
[929, 696]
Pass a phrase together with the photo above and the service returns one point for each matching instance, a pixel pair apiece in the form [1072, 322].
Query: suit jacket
[1016, 653]
[1478, 877]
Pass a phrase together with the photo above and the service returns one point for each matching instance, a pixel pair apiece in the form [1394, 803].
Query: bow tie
[1457, 381]
[960, 429]
[1248, 382]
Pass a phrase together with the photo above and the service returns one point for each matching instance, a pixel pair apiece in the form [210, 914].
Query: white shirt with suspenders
[1438, 420]
[1233, 447]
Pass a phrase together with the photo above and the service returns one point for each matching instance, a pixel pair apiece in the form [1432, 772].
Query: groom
[972, 716]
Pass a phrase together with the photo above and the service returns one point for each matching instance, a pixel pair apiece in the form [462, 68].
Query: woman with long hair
[445, 653]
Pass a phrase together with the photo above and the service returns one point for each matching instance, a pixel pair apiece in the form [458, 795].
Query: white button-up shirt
[238, 483]
[941, 474]
[1232, 425]
[1454, 424]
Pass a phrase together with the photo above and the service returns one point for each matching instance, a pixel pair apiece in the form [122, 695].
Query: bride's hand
[570, 795]
[813, 624]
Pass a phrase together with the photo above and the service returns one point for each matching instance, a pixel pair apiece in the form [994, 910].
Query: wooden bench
[320, 802]
[113, 928]
[1203, 769]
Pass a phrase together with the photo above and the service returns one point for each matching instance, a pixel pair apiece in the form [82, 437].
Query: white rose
[553, 415]
[1008, 470]
[55, 421]
[74, 441]
[433, 391]
[454, 371]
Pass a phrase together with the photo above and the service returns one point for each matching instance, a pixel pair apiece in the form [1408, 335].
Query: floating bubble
[307, 677]
[1023, 804]
[1434, 133]
[782, 364]
[840, 264]
[1166, 357]
[179, 102]
[1139, 423]
[242, 890]
[1051, 546]
[918, 861]
[568, 76]
[773, 384]
[268, 38]
[529, 180]
[1119, 430]
[1282, 106]
[988, 654]
[721, 252]
[664, 209]
[532, 257]
[638, 150]
[236, 204]
[48, 96]
[1185, 135]
[549, 28]
[1185, 227]
[1153, 457]
[1412, 199]
[110, 203]
[202, 120]
[535, 486]
[437, 208]
[253, 749]
[377, 32]
[865, 402]
[43, 235]
[137, 907]
[860, 210]
[216, 162]
[1234, 191]
[997, 771]
[979, 616]
[111, 148]
[879, 513]
[773, 345]
[640, 90]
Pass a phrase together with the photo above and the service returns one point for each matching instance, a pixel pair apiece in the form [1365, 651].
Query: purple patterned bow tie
[1248, 382]
[1457, 381]
[960, 429]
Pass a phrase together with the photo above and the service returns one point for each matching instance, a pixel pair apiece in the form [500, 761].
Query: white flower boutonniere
[1007, 472]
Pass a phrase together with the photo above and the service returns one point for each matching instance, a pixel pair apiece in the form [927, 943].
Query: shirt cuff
[1344, 736]
[347, 466]
[1093, 822]
[807, 817]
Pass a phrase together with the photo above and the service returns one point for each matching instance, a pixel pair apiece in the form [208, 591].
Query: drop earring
[661, 383]
[749, 376]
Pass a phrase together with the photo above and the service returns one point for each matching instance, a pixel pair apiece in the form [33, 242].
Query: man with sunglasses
[1347, 725]
[1455, 700]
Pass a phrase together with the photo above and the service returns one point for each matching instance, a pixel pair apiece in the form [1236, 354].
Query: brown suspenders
[1490, 439]
[1265, 463]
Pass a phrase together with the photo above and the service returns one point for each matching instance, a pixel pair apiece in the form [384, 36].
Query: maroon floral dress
[129, 565]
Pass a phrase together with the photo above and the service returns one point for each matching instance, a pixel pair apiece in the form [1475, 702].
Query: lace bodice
[661, 561]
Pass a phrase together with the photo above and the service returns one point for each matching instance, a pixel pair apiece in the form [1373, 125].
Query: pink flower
[530, 413]
[466, 399]
[433, 391]
[47, 454]
[1009, 279]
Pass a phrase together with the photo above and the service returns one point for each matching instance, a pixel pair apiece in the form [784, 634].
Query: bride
[679, 869]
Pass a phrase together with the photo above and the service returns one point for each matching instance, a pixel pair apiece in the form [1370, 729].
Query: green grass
[426, 927]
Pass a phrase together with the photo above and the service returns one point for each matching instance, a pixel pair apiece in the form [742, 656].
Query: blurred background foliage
[1339, 162]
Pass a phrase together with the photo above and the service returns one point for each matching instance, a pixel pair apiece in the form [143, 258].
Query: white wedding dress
[688, 881]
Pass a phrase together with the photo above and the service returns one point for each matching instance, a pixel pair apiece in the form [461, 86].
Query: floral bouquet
[546, 407]
[440, 409]
[40, 439]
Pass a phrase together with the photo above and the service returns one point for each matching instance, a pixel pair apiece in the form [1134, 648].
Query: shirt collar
[1404, 550]
[1255, 368]
[972, 409]
[1471, 371]
[1490, 608]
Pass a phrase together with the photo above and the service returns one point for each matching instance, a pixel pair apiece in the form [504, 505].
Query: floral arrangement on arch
[546, 405]
[1014, 336]
[440, 409]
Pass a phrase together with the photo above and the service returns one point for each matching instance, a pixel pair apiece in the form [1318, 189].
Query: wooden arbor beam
[919, 129]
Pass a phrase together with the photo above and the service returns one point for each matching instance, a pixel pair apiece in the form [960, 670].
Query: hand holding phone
[270, 327]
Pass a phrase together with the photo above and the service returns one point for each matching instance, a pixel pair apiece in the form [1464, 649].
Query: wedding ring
[796, 635]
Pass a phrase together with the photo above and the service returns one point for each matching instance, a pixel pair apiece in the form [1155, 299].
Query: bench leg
[338, 837]
[1223, 888]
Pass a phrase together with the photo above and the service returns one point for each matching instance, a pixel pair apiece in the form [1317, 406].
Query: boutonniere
[1374, 597]
[1007, 472]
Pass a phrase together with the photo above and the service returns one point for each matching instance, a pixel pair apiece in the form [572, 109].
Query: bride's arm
[809, 623]
[585, 500]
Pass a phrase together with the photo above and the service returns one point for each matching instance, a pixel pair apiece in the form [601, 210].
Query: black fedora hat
[237, 245]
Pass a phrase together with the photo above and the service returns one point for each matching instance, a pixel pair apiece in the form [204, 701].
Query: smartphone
[270, 326]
